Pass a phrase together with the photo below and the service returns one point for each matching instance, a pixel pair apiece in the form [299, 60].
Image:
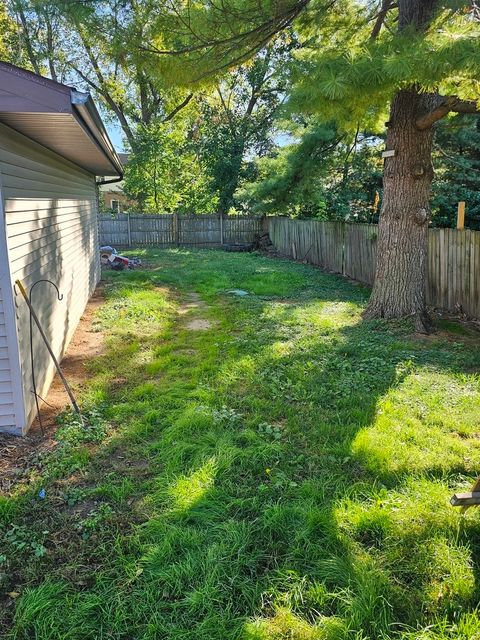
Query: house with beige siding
[52, 146]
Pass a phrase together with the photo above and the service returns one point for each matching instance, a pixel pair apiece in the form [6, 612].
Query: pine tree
[421, 57]
[399, 287]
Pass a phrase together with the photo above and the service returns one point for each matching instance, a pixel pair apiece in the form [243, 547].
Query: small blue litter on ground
[41, 494]
[238, 292]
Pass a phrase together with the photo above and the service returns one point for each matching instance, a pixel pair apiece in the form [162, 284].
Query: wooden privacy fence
[453, 279]
[126, 230]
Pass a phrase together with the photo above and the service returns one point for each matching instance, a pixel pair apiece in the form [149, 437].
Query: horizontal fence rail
[138, 230]
[453, 278]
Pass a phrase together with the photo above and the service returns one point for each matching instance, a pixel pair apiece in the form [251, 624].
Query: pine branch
[270, 27]
[454, 161]
[207, 45]
[446, 105]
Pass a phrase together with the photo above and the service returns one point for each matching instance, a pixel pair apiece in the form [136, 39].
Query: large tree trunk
[400, 277]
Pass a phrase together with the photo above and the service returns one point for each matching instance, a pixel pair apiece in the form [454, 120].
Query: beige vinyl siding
[7, 405]
[12, 409]
[51, 227]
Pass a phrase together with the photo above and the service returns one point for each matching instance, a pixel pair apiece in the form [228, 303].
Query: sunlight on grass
[187, 490]
[428, 422]
[284, 625]
[417, 531]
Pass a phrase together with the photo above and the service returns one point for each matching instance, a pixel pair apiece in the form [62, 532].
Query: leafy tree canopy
[191, 42]
[89, 44]
[325, 174]
[347, 66]
[238, 120]
[11, 49]
[329, 69]
[165, 174]
[345, 73]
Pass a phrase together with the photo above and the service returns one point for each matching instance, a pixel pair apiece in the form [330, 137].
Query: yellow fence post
[461, 215]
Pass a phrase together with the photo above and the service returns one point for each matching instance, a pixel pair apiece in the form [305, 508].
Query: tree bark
[400, 277]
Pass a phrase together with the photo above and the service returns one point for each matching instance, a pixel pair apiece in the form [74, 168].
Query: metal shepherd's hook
[34, 318]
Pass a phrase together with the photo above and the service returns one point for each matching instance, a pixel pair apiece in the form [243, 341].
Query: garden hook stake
[34, 317]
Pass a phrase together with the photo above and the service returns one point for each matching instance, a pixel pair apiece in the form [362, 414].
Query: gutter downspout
[111, 181]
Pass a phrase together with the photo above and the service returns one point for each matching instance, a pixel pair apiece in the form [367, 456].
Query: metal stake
[74, 404]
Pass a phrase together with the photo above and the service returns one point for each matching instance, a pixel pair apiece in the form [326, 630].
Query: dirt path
[196, 305]
[17, 455]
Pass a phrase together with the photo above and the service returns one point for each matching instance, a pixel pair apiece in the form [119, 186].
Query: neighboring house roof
[58, 117]
[117, 187]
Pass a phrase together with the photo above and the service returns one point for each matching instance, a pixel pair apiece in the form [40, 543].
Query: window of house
[115, 205]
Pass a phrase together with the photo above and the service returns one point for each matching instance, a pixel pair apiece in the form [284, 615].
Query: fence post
[129, 230]
[221, 229]
[175, 229]
[461, 215]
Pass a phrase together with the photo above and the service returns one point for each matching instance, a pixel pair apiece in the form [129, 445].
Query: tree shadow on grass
[275, 502]
[345, 533]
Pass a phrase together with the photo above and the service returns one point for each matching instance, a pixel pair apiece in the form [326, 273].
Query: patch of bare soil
[199, 324]
[183, 309]
[186, 352]
[193, 302]
[18, 455]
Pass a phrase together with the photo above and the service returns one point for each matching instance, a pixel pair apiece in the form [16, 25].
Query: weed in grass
[18, 540]
[95, 520]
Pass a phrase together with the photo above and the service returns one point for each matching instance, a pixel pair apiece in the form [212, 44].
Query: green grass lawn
[282, 472]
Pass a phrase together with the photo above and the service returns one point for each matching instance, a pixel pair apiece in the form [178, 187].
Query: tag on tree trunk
[389, 153]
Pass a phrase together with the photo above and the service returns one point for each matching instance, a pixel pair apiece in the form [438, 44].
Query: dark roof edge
[85, 110]
[34, 77]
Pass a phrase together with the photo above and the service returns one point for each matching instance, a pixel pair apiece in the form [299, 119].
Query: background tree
[238, 120]
[87, 44]
[325, 174]
[11, 44]
[292, 180]
[165, 172]
[211, 144]
[420, 56]
[91, 45]
[456, 159]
